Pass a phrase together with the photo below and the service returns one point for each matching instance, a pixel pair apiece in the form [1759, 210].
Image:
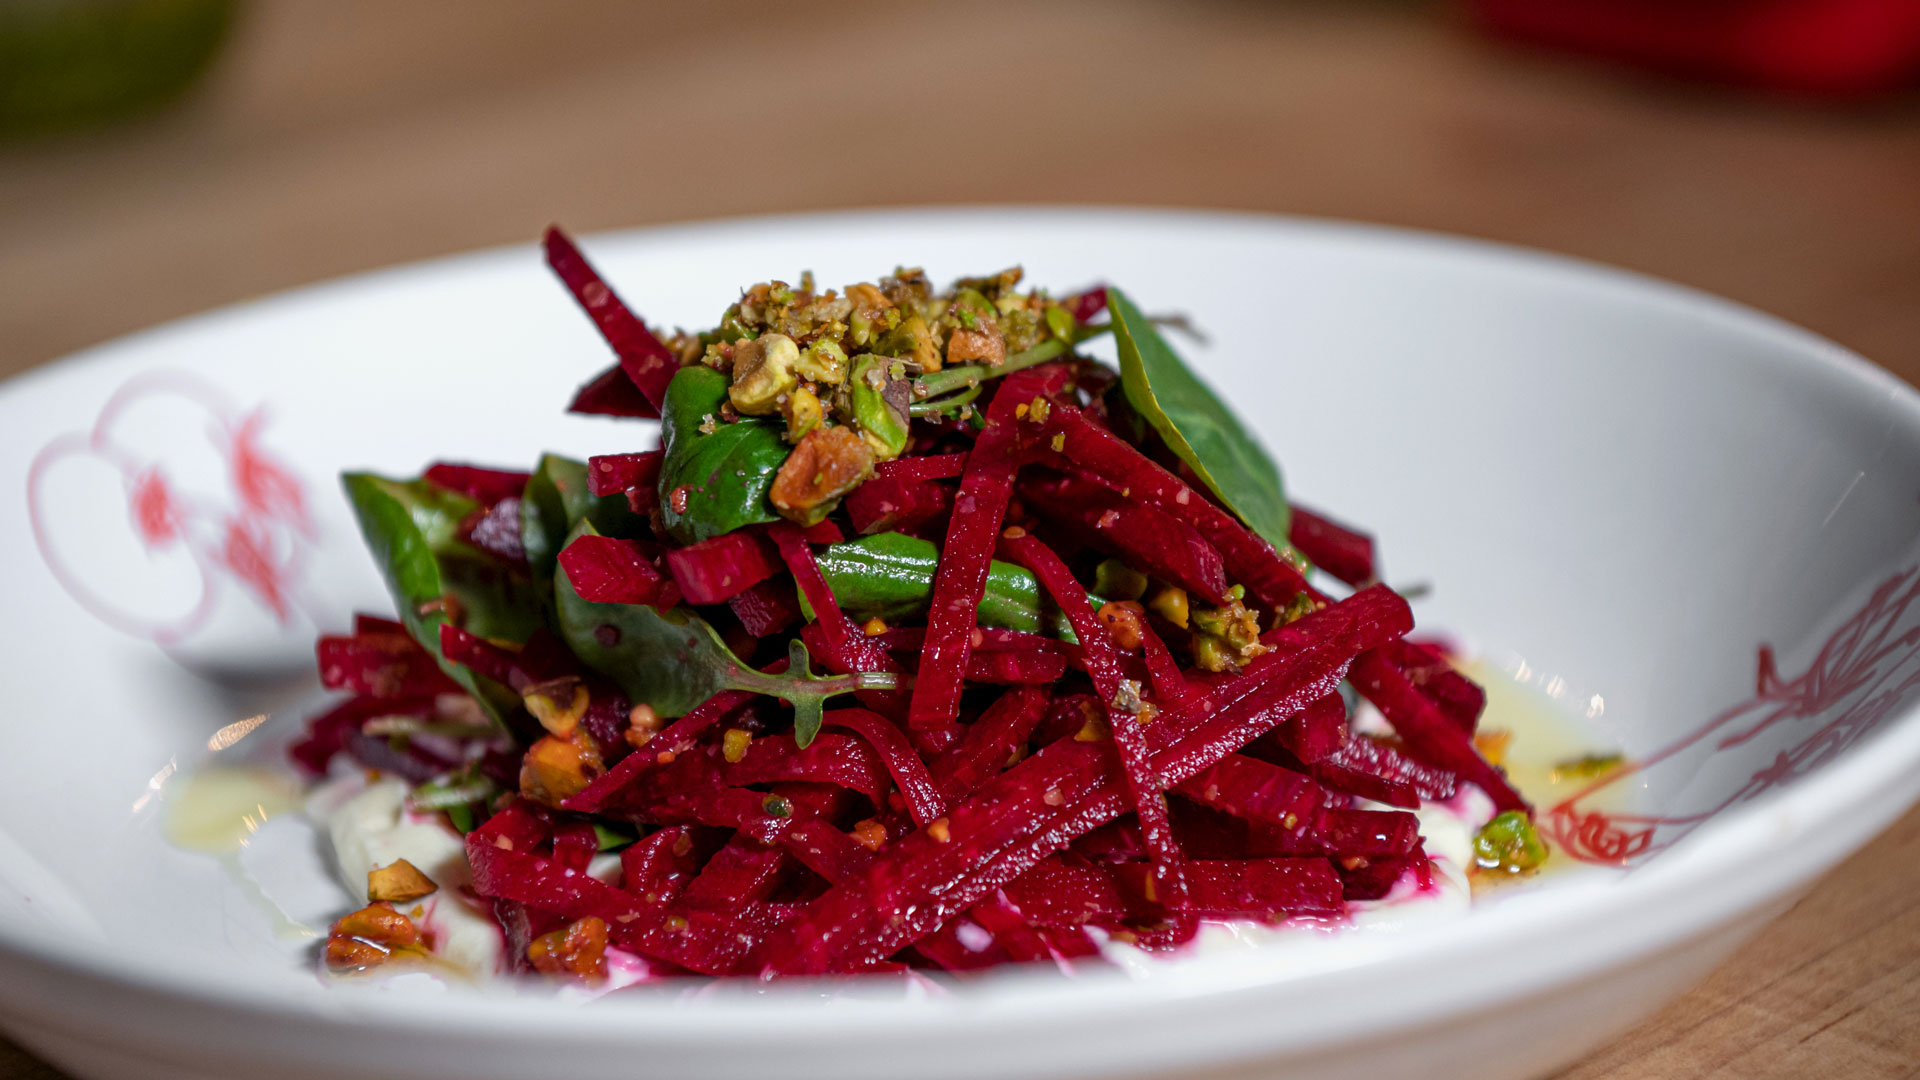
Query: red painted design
[1868, 670]
[155, 513]
[255, 534]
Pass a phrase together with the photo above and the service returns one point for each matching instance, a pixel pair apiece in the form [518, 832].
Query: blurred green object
[69, 65]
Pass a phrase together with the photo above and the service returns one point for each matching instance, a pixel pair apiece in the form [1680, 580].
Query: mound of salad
[915, 640]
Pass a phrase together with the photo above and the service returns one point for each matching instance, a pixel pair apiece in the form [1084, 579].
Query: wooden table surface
[340, 135]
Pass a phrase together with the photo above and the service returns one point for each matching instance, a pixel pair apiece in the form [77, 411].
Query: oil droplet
[216, 811]
[1546, 735]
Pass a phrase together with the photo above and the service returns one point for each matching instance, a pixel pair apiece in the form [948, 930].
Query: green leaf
[726, 471]
[612, 838]
[1196, 424]
[673, 660]
[890, 576]
[406, 526]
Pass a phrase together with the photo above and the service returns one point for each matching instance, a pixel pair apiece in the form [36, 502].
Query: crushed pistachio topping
[852, 359]
[1225, 638]
[399, 882]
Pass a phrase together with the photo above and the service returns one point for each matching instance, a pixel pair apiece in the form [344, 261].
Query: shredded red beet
[1126, 712]
[608, 570]
[979, 509]
[483, 485]
[648, 363]
[612, 393]
[716, 570]
[1428, 733]
[612, 474]
[981, 762]
[1340, 551]
[380, 663]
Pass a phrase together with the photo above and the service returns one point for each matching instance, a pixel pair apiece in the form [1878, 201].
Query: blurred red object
[1824, 47]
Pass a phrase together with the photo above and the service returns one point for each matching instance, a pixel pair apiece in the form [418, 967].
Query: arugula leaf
[1196, 424]
[413, 534]
[726, 469]
[673, 660]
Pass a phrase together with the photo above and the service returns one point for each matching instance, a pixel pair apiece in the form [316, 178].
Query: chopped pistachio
[912, 340]
[1170, 603]
[1224, 638]
[559, 704]
[735, 744]
[802, 408]
[763, 369]
[399, 882]
[1586, 768]
[1492, 744]
[1115, 579]
[1060, 322]
[1125, 620]
[1509, 844]
[881, 404]
[824, 361]
[827, 464]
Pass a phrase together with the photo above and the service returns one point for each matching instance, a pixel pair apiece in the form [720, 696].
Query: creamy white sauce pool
[369, 826]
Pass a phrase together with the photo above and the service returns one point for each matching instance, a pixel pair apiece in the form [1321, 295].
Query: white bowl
[1629, 486]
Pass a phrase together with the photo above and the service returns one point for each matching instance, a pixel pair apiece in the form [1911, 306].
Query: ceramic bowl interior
[1695, 529]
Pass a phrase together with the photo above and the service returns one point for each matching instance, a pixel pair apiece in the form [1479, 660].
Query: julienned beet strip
[1131, 720]
[1040, 805]
[1333, 547]
[1126, 712]
[1427, 731]
[979, 509]
[1153, 541]
[909, 773]
[648, 363]
[1106, 459]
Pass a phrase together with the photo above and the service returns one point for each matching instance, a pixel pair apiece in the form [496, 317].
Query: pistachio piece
[399, 882]
[576, 951]
[559, 767]
[912, 340]
[824, 361]
[867, 320]
[828, 463]
[803, 413]
[881, 404]
[763, 369]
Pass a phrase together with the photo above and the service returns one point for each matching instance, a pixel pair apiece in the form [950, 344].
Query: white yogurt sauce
[370, 826]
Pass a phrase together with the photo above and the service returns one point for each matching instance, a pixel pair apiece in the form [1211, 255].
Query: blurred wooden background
[341, 135]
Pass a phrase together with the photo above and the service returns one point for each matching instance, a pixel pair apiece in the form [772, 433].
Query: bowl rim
[1747, 857]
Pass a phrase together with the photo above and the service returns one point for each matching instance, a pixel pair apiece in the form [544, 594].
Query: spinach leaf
[412, 529]
[890, 576]
[726, 469]
[1196, 424]
[673, 660]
